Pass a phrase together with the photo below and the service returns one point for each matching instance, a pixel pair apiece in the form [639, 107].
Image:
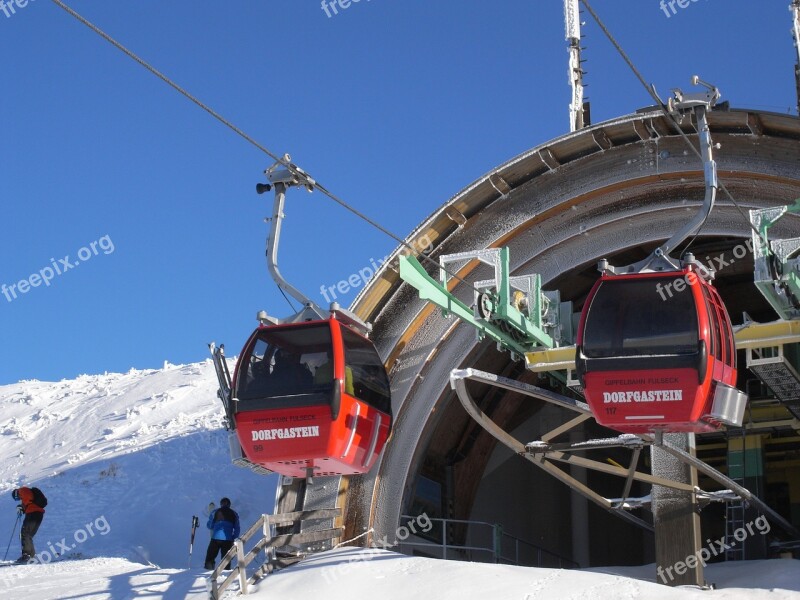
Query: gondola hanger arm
[682, 104]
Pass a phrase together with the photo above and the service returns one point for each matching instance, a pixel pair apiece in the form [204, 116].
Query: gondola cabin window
[369, 380]
[634, 321]
[287, 363]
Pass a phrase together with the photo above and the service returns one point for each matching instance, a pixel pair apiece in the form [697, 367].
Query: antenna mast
[795, 8]
[578, 111]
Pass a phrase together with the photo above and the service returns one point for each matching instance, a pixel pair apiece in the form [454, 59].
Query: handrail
[496, 549]
[268, 541]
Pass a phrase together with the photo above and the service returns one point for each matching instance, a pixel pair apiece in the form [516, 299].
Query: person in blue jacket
[224, 526]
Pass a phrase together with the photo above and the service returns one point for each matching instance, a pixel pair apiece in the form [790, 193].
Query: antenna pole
[795, 8]
[572, 21]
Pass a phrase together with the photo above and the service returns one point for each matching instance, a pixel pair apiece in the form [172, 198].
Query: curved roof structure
[614, 190]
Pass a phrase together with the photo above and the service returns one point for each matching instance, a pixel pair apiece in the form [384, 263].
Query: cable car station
[586, 361]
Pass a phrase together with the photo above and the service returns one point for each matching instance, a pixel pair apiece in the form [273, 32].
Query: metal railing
[483, 542]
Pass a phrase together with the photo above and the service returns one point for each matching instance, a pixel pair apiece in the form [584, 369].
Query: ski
[223, 379]
[56, 558]
[13, 563]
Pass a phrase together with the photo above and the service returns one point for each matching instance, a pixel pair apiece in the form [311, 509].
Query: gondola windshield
[287, 366]
[627, 317]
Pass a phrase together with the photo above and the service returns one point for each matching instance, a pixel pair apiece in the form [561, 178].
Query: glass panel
[288, 362]
[427, 500]
[365, 369]
[641, 317]
[725, 353]
[726, 332]
[729, 334]
[716, 348]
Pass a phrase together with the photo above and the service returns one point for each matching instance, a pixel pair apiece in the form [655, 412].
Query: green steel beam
[414, 274]
[767, 256]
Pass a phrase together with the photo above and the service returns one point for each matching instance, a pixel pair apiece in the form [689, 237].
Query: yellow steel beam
[762, 335]
[773, 412]
[752, 335]
[551, 359]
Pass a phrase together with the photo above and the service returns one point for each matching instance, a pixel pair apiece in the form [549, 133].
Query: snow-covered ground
[127, 459]
[350, 573]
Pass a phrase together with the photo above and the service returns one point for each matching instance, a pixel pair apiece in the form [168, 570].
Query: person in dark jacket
[30, 525]
[224, 526]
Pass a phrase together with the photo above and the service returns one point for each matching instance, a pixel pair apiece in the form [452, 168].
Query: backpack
[224, 513]
[39, 499]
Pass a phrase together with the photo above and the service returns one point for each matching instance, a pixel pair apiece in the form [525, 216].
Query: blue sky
[394, 106]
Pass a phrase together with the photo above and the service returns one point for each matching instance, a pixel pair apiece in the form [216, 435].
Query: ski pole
[19, 516]
[195, 523]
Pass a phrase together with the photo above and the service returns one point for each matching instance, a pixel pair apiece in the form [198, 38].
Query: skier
[34, 513]
[224, 526]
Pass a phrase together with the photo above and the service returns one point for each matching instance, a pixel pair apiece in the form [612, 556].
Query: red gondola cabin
[655, 351]
[311, 398]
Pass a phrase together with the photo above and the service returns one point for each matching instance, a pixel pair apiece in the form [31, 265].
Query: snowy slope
[126, 459]
[142, 452]
[356, 574]
[100, 578]
[350, 573]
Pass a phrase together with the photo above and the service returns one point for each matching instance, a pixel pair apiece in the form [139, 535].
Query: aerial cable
[278, 159]
[167, 80]
[670, 117]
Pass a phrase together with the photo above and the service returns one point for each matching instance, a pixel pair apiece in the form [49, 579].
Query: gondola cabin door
[311, 398]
